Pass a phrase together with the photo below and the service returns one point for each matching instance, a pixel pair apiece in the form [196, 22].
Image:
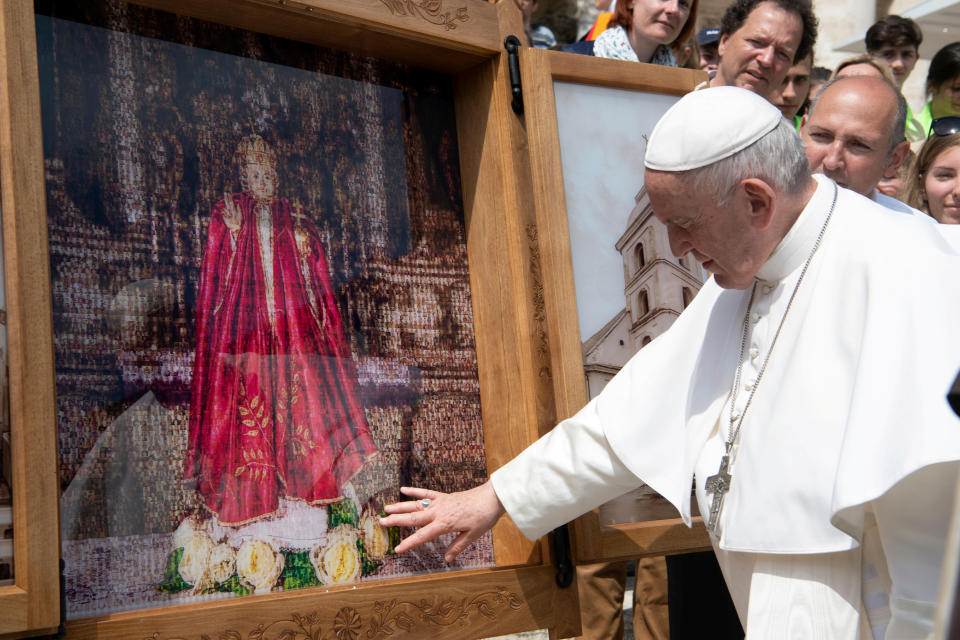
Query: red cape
[275, 409]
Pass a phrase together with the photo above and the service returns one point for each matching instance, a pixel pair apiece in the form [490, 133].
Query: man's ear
[895, 159]
[760, 196]
[722, 45]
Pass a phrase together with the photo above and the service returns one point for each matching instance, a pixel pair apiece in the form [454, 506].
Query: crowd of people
[795, 187]
[662, 32]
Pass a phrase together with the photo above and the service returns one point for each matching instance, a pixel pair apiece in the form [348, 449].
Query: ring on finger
[425, 503]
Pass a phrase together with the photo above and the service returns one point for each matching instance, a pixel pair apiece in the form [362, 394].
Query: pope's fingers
[407, 520]
[418, 492]
[461, 542]
[418, 537]
[403, 507]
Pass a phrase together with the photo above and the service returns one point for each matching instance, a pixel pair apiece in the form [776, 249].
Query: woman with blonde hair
[865, 65]
[934, 178]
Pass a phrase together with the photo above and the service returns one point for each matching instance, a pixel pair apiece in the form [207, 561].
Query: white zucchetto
[709, 125]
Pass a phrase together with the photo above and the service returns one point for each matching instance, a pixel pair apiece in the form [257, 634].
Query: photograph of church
[658, 288]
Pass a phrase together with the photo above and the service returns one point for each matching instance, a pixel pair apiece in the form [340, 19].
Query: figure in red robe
[275, 411]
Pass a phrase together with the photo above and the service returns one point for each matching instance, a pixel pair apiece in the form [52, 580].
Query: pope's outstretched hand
[470, 513]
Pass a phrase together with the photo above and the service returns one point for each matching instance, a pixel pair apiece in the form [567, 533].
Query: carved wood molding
[429, 10]
[387, 618]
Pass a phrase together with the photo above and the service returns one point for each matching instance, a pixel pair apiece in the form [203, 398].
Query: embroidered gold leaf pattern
[257, 464]
[300, 444]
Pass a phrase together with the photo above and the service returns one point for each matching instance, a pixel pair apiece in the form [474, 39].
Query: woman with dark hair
[642, 31]
[943, 86]
[934, 179]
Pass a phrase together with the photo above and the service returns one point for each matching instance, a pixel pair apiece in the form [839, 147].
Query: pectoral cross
[718, 484]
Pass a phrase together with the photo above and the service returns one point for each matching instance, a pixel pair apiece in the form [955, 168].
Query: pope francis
[802, 391]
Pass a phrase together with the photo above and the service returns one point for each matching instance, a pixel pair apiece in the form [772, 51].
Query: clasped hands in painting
[470, 513]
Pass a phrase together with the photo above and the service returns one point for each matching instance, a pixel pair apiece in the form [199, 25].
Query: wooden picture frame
[541, 71]
[462, 39]
[33, 603]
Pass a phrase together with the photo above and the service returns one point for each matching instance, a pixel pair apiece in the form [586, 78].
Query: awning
[939, 20]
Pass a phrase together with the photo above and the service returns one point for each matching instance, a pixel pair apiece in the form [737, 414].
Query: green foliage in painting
[172, 581]
[344, 512]
[298, 572]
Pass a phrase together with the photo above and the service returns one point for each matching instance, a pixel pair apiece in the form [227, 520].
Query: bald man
[853, 134]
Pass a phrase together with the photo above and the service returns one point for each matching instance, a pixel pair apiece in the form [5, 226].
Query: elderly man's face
[722, 239]
[847, 135]
[757, 55]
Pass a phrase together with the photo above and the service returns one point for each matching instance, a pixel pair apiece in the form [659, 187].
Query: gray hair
[778, 158]
[898, 133]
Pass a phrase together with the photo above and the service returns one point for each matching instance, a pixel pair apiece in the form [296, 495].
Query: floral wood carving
[539, 307]
[389, 618]
[401, 614]
[429, 10]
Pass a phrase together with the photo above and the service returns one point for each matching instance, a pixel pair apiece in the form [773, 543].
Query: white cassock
[896, 205]
[844, 472]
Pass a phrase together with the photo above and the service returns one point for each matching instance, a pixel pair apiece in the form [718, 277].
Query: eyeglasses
[946, 126]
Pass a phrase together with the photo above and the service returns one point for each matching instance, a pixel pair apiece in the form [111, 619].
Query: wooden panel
[539, 70]
[554, 238]
[13, 609]
[640, 539]
[619, 74]
[451, 607]
[501, 225]
[449, 36]
[29, 330]
[498, 281]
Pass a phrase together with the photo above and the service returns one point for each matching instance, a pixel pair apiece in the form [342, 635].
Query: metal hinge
[561, 556]
[512, 45]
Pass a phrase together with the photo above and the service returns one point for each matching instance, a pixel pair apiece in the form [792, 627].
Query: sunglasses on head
[946, 126]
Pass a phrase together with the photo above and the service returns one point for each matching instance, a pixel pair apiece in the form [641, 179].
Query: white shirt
[896, 205]
[850, 405]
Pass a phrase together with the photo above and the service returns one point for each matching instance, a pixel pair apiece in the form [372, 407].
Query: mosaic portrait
[262, 312]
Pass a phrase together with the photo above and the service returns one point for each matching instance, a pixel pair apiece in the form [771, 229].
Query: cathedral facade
[659, 286]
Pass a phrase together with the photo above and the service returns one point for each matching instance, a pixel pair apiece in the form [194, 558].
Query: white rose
[376, 540]
[338, 561]
[195, 558]
[259, 564]
[186, 530]
[222, 562]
